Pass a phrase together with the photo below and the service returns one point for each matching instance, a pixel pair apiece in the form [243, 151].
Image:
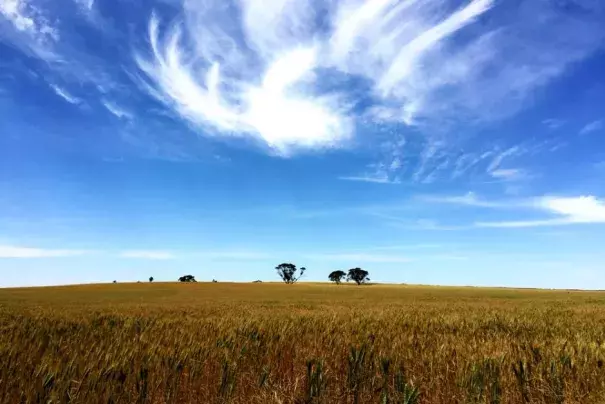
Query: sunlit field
[301, 343]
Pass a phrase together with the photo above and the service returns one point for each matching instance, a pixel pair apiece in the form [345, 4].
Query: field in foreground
[303, 343]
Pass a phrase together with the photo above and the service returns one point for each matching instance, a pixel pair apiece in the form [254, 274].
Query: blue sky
[445, 142]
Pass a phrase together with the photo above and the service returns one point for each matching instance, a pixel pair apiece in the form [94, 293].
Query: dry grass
[304, 343]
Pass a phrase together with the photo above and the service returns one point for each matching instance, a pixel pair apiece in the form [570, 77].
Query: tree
[337, 276]
[187, 278]
[358, 275]
[151, 279]
[287, 272]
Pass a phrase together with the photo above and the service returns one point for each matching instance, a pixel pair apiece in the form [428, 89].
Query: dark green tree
[358, 275]
[187, 278]
[337, 276]
[287, 272]
[151, 279]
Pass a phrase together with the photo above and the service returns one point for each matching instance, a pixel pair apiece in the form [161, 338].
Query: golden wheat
[302, 343]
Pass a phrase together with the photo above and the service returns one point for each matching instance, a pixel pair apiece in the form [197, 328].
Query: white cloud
[402, 64]
[32, 30]
[559, 210]
[378, 178]
[469, 199]
[495, 170]
[9, 251]
[286, 72]
[567, 211]
[16, 12]
[503, 155]
[239, 255]
[117, 110]
[581, 209]
[509, 174]
[429, 224]
[148, 254]
[389, 170]
[65, 95]
[86, 5]
[525, 223]
[592, 127]
[553, 124]
[274, 74]
[408, 247]
[468, 161]
[281, 109]
[360, 257]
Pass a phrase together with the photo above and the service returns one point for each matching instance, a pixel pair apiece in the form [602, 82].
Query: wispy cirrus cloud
[592, 127]
[360, 257]
[553, 124]
[503, 155]
[281, 110]
[11, 251]
[117, 110]
[65, 95]
[556, 210]
[279, 75]
[86, 5]
[148, 254]
[270, 74]
[469, 199]
[377, 178]
[16, 12]
[509, 174]
[30, 28]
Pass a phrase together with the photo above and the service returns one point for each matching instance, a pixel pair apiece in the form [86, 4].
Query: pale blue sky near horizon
[440, 142]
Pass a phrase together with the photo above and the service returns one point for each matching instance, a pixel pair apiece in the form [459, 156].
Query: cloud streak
[360, 257]
[148, 254]
[378, 178]
[10, 251]
[509, 174]
[65, 95]
[592, 127]
[117, 110]
[586, 209]
[471, 199]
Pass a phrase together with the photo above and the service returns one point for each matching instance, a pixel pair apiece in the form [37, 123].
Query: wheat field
[301, 343]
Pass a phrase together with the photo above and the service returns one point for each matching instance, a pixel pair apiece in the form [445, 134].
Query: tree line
[290, 274]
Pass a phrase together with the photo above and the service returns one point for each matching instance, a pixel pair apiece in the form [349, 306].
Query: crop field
[301, 343]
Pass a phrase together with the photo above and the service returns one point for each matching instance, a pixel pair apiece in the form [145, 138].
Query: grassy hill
[302, 343]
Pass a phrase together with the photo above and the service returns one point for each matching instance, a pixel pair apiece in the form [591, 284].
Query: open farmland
[302, 343]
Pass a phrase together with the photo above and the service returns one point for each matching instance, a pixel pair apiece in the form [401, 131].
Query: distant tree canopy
[358, 275]
[337, 276]
[151, 279]
[187, 278]
[287, 272]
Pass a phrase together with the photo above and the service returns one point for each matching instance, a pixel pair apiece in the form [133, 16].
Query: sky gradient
[433, 141]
